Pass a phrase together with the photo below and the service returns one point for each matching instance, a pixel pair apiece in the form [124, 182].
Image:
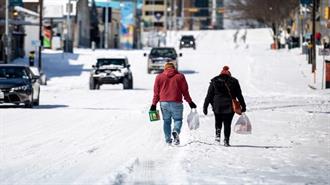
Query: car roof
[113, 57]
[187, 36]
[163, 48]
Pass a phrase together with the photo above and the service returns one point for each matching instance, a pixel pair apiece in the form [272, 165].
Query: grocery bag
[243, 125]
[193, 119]
[154, 115]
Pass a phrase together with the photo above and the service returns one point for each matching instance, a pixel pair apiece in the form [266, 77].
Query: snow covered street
[104, 137]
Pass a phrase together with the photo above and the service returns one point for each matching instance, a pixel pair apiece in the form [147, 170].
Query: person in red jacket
[169, 87]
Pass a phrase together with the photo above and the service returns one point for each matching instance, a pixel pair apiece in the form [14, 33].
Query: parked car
[19, 85]
[159, 56]
[187, 41]
[111, 71]
[293, 42]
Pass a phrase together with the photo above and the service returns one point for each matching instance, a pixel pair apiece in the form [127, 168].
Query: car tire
[131, 83]
[91, 83]
[36, 102]
[29, 104]
[127, 83]
[97, 86]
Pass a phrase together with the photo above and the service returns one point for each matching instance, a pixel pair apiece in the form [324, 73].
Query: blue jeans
[171, 110]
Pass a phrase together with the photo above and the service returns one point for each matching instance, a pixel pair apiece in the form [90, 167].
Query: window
[117, 62]
[158, 13]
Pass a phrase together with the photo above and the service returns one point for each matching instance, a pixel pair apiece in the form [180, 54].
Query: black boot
[176, 138]
[217, 136]
[226, 142]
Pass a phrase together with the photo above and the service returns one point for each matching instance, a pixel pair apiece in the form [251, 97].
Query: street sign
[15, 3]
[324, 52]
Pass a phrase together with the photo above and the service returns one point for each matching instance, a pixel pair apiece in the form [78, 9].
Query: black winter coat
[219, 97]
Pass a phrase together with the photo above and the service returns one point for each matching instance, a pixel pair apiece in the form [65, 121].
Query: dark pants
[226, 120]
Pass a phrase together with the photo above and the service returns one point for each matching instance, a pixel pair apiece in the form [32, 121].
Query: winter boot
[226, 142]
[217, 139]
[176, 138]
[169, 142]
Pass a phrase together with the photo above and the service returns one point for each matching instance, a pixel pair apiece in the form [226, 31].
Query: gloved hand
[243, 109]
[153, 108]
[205, 111]
[192, 105]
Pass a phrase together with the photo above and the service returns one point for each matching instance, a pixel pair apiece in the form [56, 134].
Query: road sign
[15, 3]
[324, 52]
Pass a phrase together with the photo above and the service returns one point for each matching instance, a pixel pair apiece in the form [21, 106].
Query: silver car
[159, 56]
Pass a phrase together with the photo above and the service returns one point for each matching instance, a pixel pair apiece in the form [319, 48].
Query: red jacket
[170, 85]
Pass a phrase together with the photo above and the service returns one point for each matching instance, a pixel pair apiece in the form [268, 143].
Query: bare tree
[269, 12]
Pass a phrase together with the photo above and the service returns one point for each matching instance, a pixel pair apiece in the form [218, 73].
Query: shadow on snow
[238, 146]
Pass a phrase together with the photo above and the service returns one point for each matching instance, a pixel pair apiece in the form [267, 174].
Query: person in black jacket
[221, 100]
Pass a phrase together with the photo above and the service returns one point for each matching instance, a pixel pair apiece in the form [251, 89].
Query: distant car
[159, 56]
[293, 42]
[19, 85]
[187, 41]
[111, 71]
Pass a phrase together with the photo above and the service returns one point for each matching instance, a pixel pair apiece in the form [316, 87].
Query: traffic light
[327, 13]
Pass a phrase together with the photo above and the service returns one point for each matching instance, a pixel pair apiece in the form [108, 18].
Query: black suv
[187, 41]
[18, 85]
[111, 71]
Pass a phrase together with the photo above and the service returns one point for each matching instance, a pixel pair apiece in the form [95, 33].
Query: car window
[13, 72]
[117, 62]
[163, 52]
[187, 38]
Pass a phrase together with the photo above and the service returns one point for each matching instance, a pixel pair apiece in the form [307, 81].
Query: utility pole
[313, 41]
[175, 14]
[165, 16]
[5, 38]
[182, 13]
[40, 34]
[68, 40]
[106, 32]
[214, 14]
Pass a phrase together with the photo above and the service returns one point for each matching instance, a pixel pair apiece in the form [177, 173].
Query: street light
[106, 25]
[5, 38]
[40, 34]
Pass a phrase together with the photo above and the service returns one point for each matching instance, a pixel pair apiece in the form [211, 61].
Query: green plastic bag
[154, 115]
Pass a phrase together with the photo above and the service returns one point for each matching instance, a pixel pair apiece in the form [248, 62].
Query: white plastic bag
[193, 119]
[243, 125]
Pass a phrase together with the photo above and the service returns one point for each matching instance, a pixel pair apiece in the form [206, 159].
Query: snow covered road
[77, 136]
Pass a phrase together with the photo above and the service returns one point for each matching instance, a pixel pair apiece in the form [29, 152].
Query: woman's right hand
[205, 111]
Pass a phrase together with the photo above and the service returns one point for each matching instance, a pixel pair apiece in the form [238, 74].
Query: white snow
[77, 136]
